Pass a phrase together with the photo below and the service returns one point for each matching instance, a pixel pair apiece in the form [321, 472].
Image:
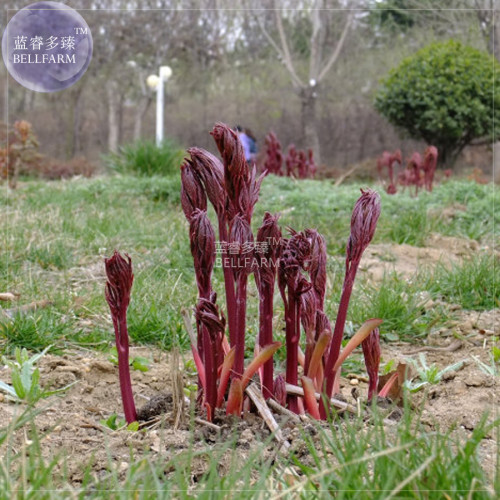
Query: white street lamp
[156, 82]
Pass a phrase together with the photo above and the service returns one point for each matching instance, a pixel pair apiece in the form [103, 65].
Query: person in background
[245, 142]
[253, 144]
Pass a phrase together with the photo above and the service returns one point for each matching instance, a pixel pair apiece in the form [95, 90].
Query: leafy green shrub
[445, 95]
[146, 159]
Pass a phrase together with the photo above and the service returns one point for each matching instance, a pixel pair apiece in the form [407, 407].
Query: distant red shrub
[274, 156]
[19, 150]
[52, 169]
[418, 172]
[298, 163]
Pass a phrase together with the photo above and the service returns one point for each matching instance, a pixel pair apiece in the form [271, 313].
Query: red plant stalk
[208, 325]
[268, 241]
[274, 157]
[429, 166]
[414, 167]
[291, 160]
[211, 325]
[313, 301]
[294, 256]
[241, 244]
[279, 390]
[311, 165]
[371, 353]
[387, 160]
[202, 239]
[242, 187]
[292, 344]
[236, 183]
[394, 158]
[211, 173]
[308, 310]
[192, 193]
[117, 292]
[363, 224]
[227, 366]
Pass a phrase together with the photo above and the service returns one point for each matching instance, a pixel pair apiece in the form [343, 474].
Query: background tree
[328, 27]
[445, 95]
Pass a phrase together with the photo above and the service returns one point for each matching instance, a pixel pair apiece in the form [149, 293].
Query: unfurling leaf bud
[202, 238]
[119, 283]
[317, 265]
[371, 352]
[363, 223]
[192, 193]
[211, 172]
[231, 150]
[308, 307]
[236, 172]
[241, 246]
[266, 253]
[208, 314]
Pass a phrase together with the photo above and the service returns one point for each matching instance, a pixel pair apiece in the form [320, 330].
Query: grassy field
[53, 237]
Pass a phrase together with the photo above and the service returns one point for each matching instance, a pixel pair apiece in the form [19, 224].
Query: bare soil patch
[406, 260]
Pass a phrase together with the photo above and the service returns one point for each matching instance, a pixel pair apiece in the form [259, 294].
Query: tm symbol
[81, 31]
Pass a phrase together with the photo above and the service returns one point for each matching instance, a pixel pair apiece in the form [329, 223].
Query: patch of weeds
[54, 255]
[473, 284]
[399, 304]
[429, 374]
[34, 331]
[115, 424]
[493, 367]
[139, 363]
[25, 378]
[351, 459]
[145, 158]
[378, 463]
[411, 226]
[160, 326]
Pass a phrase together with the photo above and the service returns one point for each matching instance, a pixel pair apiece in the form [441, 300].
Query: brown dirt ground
[73, 419]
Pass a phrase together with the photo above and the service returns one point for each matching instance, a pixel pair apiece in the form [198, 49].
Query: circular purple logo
[47, 46]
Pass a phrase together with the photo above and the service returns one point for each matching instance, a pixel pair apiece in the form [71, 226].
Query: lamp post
[156, 82]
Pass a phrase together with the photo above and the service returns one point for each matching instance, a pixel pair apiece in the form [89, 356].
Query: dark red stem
[266, 336]
[372, 387]
[338, 334]
[241, 309]
[292, 347]
[124, 370]
[210, 371]
[229, 286]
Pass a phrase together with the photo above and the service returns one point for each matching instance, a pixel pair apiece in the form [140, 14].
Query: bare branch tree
[320, 18]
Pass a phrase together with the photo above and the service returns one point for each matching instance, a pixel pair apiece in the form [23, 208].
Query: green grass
[144, 158]
[54, 236]
[400, 304]
[474, 284]
[349, 459]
